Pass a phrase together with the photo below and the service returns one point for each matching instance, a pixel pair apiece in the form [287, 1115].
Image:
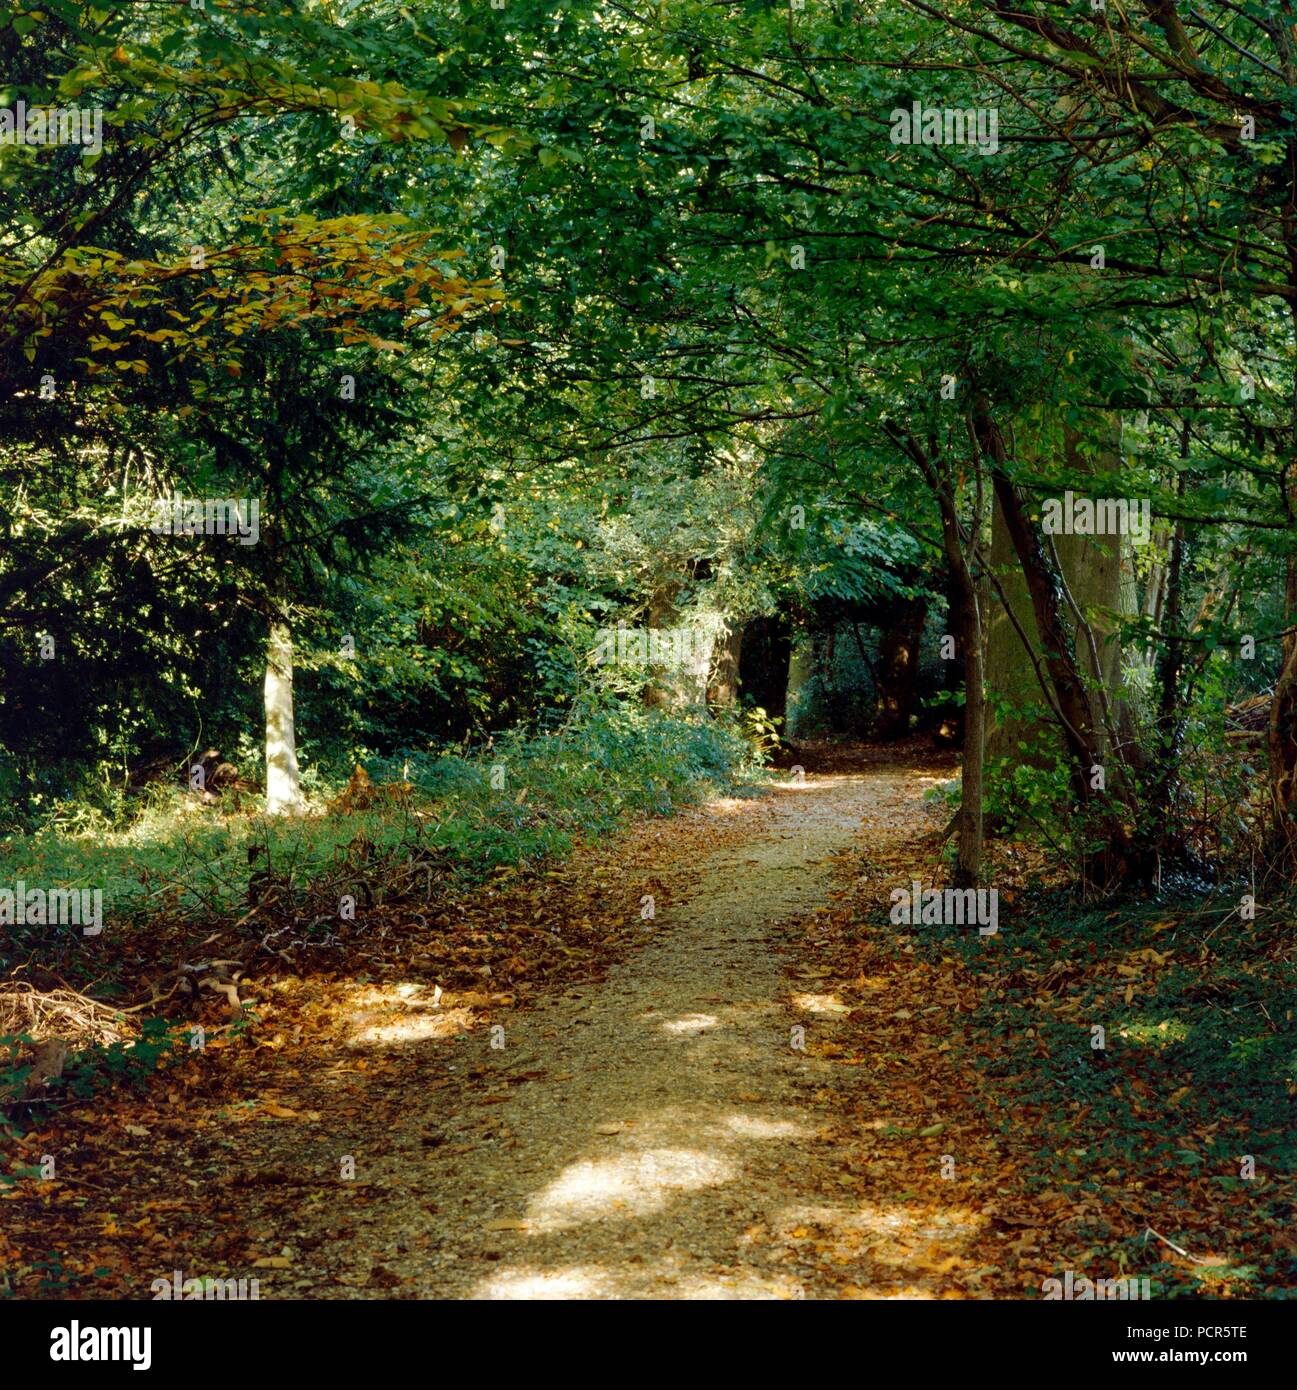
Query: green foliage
[123, 1064]
[192, 861]
[761, 731]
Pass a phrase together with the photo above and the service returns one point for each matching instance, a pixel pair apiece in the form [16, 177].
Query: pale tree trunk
[723, 690]
[283, 781]
[1073, 702]
[1091, 568]
[801, 668]
[1169, 717]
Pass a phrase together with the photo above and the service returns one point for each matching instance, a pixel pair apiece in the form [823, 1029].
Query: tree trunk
[968, 865]
[1092, 569]
[283, 782]
[1082, 736]
[958, 545]
[1170, 715]
[952, 678]
[968, 861]
[723, 690]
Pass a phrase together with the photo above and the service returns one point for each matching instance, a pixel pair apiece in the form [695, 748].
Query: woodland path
[688, 1048]
[673, 1142]
[651, 1132]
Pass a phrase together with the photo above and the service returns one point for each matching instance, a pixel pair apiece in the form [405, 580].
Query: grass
[520, 801]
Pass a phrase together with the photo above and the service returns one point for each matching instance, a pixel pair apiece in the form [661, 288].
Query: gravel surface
[673, 1136]
[659, 1131]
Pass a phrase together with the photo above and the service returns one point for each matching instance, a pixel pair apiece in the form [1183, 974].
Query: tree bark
[968, 850]
[723, 690]
[958, 546]
[968, 861]
[283, 781]
[1092, 569]
[1170, 716]
[1082, 737]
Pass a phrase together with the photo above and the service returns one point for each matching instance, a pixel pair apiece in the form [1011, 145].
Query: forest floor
[751, 1095]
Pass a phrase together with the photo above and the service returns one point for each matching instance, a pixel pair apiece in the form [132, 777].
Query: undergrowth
[515, 802]
[409, 828]
[1191, 1090]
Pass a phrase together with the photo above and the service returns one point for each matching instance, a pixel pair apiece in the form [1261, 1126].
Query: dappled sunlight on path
[677, 1145]
[669, 1125]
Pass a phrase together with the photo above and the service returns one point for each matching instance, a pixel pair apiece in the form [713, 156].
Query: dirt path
[673, 1139]
[672, 1128]
[684, 1130]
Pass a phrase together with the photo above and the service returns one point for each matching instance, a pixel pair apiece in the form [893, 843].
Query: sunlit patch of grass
[1160, 1034]
[458, 817]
